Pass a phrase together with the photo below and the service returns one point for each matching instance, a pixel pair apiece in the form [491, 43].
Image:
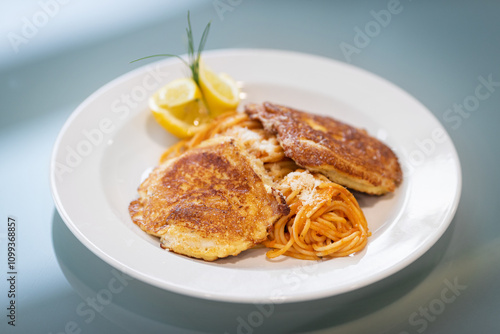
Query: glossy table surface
[444, 53]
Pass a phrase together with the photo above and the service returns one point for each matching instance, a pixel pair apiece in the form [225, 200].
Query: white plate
[111, 139]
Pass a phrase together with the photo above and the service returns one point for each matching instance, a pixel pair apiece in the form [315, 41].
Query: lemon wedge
[219, 90]
[178, 107]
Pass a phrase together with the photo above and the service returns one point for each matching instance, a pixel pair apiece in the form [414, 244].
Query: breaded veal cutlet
[343, 153]
[212, 201]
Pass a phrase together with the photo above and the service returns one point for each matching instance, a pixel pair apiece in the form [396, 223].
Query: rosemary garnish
[193, 62]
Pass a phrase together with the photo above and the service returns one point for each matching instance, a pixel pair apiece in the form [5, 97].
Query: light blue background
[435, 50]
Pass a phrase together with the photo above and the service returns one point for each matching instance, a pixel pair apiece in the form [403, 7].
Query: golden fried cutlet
[345, 154]
[213, 201]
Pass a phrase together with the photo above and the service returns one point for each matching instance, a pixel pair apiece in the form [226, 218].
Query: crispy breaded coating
[343, 153]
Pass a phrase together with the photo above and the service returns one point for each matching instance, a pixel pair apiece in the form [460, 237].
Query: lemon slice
[220, 90]
[178, 107]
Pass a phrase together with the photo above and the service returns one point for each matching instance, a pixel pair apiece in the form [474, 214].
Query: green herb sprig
[193, 62]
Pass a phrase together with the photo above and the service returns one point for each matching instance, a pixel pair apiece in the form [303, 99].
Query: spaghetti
[325, 220]
[249, 133]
